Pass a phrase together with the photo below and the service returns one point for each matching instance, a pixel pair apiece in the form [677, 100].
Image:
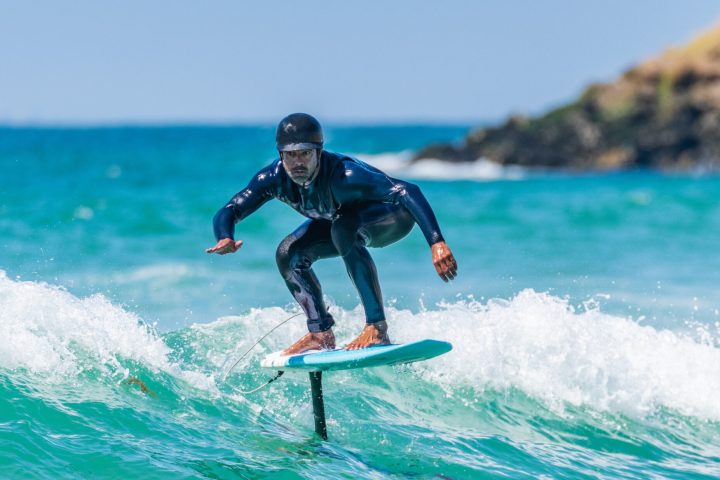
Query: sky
[179, 61]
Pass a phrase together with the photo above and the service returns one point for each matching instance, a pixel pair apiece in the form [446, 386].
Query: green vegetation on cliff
[663, 113]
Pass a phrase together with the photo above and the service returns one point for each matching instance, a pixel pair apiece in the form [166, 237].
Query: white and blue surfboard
[341, 359]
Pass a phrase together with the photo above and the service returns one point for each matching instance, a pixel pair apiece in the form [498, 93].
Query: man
[351, 206]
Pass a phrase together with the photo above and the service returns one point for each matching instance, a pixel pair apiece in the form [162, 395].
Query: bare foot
[312, 341]
[372, 334]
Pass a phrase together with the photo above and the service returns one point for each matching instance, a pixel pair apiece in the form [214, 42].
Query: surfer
[350, 206]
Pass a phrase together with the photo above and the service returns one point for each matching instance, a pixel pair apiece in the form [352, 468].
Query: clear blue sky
[89, 61]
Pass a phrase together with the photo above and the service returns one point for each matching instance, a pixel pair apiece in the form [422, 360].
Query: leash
[268, 382]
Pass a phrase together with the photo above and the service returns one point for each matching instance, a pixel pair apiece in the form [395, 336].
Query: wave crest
[544, 346]
[50, 331]
[398, 164]
[534, 342]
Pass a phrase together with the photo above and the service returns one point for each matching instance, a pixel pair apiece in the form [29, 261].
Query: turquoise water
[585, 319]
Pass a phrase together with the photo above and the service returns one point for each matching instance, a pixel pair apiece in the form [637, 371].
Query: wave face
[533, 387]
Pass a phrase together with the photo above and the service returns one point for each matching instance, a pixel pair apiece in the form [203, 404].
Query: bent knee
[289, 258]
[284, 254]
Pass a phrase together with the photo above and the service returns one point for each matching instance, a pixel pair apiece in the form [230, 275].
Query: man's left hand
[444, 261]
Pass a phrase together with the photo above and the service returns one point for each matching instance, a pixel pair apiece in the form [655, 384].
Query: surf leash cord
[280, 372]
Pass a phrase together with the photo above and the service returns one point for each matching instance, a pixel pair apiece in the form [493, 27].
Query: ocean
[585, 318]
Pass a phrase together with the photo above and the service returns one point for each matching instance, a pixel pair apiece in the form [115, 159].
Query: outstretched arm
[259, 190]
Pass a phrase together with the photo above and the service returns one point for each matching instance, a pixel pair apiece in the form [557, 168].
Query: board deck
[341, 359]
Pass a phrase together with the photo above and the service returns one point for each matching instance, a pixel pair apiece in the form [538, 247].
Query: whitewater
[530, 375]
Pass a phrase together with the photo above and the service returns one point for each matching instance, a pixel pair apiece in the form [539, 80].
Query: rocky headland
[662, 114]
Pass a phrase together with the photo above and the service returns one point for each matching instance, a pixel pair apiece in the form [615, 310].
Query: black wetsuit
[351, 205]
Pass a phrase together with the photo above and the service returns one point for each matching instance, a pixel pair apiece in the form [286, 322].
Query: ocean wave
[545, 347]
[564, 389]
[399, 164]
[535, 343]
[52, 334]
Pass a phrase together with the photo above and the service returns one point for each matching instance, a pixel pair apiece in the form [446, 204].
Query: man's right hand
[225, 246]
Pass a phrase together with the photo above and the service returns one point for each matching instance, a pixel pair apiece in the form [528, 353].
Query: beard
[301, 172]
[299, 175]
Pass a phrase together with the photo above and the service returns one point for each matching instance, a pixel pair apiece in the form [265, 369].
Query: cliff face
[664, 114]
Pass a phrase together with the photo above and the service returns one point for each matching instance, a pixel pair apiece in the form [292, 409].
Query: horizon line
[338, 123]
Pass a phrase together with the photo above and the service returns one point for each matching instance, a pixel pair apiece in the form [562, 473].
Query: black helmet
[298, 131]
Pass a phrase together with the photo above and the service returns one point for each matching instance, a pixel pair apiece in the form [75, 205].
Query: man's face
[300, 165]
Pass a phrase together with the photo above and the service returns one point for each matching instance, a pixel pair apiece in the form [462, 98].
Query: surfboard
[340, 359]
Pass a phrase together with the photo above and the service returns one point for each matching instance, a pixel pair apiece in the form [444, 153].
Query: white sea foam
[48, 331]
[535, 342]
[388, 162]
[398, 164]
[543, 346]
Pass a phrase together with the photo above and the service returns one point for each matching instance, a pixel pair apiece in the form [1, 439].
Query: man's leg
[377, 225]
[295, 256]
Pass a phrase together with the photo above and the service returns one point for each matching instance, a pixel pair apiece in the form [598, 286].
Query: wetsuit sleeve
[356, 182]
[260, 189]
